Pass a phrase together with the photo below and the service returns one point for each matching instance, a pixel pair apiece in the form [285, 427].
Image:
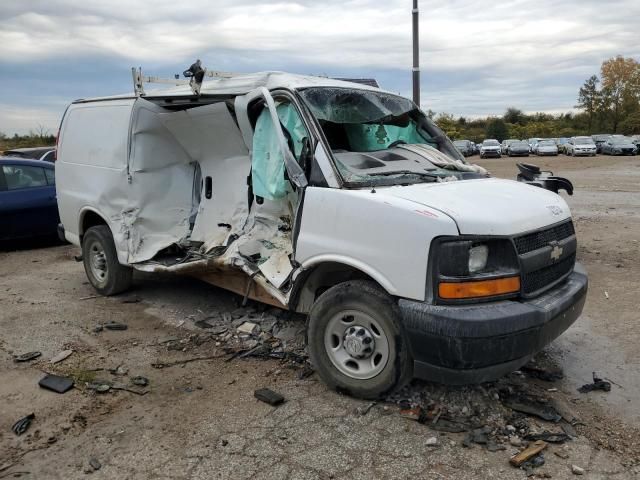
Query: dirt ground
[199, 419]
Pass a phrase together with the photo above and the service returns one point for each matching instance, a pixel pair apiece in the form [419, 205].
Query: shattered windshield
[378, 138]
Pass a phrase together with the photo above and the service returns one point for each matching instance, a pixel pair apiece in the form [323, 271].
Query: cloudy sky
[477, 57]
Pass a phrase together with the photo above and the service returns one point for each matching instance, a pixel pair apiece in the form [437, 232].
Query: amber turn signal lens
[477, 289]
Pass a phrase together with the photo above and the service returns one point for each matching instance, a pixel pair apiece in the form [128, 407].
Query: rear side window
[51, 176]
[21, 176]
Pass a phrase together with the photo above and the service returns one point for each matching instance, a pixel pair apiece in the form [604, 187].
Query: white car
[545, 147]
[578, 146]
[408, 261]
[490, 148]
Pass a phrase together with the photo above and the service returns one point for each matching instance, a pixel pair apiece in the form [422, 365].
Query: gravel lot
[200, 419]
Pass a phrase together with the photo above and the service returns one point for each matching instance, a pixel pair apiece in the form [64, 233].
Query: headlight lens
[478, 256]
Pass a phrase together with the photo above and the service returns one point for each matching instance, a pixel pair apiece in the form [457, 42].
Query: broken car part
[56, 383]
[528, 453]
[22, 425]
[26, 357]
[269, 396]
[598, 384]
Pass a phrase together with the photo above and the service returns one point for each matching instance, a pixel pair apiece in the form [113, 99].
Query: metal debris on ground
[533, 462]
[99, 387]
[576, 470]
[63, 355]
[549, 437]
[362, 410]
[267, 395]
[26, 357]
[22, 425]
[95, 463]
[532, 406]
[598, 384]
[56, 383]
[115, 326]
[248, 328]
[531, 451]
[140, 381]
[541, 373]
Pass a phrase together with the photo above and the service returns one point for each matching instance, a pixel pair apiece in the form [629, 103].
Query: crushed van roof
[242, 84]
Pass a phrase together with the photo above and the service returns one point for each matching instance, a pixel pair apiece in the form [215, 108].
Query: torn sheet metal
[277, 269]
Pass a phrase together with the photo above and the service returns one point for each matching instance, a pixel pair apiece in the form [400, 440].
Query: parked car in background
[490, 148]
[28, 206]
[47, 154]
[532, 143]
[505, 145]
[619, 145]
[545, 147]
[636, 141]
[465, 147]
[562, 144]
[519, 148]
[599, 140]
[580, 146]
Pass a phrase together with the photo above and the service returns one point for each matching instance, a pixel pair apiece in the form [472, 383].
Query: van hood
[487, 206]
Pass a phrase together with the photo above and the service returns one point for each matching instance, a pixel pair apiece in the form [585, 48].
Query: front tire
[101, 264]
[356, 340]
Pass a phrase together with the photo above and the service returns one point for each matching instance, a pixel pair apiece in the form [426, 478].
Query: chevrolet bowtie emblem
[556, 253]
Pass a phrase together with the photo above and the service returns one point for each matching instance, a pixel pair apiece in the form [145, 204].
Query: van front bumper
[482, 342]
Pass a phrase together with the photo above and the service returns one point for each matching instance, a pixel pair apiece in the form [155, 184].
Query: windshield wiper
[408, 172]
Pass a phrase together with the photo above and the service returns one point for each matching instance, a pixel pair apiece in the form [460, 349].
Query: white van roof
[244, 83]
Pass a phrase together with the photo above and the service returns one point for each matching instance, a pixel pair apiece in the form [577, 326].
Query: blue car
[28, 205]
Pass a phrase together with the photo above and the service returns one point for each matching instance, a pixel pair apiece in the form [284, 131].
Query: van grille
[539, 279]
[533, 241]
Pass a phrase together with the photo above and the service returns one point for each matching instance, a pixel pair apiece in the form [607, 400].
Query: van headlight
[475, 268]
[478, 256]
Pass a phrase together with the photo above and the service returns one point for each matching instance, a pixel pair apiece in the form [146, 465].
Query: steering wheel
[396, 143]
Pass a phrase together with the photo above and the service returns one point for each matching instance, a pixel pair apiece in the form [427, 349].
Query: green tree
[497, 129]
[589, 99]
[621, 85]
[514, 115]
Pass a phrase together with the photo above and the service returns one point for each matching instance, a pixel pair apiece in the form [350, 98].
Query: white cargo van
[329, 198]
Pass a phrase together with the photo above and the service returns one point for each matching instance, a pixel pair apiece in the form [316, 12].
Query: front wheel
[356, 340]
[101, 264]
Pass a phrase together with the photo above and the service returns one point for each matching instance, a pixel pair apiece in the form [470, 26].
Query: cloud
[477, 57]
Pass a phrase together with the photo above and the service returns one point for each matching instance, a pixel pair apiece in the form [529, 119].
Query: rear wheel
[101, 264]
[356, 340]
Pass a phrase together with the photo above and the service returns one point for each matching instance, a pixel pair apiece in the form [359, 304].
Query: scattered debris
[549, 437]
[119, 371]
[131, 300]
[432, 442]
[115, 326]
[606, 295]
[63, 355]
[532, 463]
[598, 384]
[268, 396]
[576, 470]
[26, 357]
[528, 453]
[56, 383]
[140, 381]
[248, 328]
[88, 298]
[362, 410]
[95, 463]
[547, 375]
[305, 372]
[182, 362]
[22, 425]
[99, 387]
[411, 413]
[532, 406]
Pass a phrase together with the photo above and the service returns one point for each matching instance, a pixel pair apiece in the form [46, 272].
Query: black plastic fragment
[268, 396]
[56, 383]
[22, 425]
[548, 437]
[140, 381]
[26, 357]
[526, 405]
[598, 384]
[115, 326]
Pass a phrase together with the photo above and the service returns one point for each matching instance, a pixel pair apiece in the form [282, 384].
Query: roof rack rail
[194, 80]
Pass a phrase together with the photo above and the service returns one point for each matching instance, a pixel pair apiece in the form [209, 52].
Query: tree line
[608, 103]
[39, 137]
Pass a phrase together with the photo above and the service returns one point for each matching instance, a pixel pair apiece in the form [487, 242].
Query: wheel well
[90, 219]
[321, 278]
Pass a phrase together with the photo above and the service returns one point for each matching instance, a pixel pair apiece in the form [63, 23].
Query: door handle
[208, 187]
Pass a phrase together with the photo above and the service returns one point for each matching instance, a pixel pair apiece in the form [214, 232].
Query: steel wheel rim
[346, 345]
[98, 262]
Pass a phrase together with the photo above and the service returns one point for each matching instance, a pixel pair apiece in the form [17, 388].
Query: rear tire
[357, 342]
[101, 264]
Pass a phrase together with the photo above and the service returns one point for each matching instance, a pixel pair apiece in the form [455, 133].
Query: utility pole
[416, 55]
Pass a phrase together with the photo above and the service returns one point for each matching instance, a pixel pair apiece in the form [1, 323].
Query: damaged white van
[329, 198]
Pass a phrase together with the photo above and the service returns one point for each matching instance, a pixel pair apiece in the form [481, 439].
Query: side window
[51, 176]
[19, 176]
[294, 128]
